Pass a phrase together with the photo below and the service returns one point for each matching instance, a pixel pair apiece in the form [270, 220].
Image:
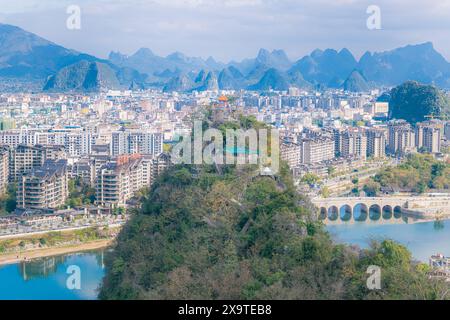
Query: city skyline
[245, 26]
[235, 150]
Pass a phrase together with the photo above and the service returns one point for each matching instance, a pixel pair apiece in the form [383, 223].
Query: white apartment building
[45, 187]
[401, 138]
[317, 149]
[428, 136]
[4, 169]
[119, 180]
[136, 142]
[353, 143]
[291, 153]
[376, 143]
[25, 158]
[76, 141]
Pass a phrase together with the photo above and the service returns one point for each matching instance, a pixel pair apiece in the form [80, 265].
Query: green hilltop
[414, 102]
[209, 232]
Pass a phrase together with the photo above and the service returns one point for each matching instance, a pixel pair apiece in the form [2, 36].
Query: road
[68, 229]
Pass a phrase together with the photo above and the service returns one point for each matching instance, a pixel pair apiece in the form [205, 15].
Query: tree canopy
[204, 233]
[413, 102]
[420, 173]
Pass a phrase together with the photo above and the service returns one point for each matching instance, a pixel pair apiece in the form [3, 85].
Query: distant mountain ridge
[356, 83]
[145, 61]
[327, 68]
[323, 69]
[25, 56]
[414, 62]
[83, 76]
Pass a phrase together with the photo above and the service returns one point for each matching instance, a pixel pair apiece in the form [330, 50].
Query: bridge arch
[323, 213]
[345, 213]
[391, 207]
[333, 213]
[387, 212]
[397, 212]
[360, 212]
[375, 212]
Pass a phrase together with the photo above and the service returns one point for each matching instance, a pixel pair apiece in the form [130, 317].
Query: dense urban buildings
[321, 132]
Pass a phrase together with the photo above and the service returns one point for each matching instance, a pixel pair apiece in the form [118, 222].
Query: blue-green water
[422, 239]
[46, 279]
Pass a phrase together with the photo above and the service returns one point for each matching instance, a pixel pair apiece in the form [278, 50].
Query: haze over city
[233, 29]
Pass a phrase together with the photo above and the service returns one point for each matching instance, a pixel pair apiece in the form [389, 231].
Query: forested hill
[414, 102]
[204, 234]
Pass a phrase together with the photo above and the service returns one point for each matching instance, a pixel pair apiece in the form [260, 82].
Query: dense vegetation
[8, 201]
[413, 102]
[207, 232]
[420, 173]
[80, 194]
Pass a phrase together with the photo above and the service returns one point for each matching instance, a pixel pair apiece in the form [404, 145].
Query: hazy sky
[233, 29]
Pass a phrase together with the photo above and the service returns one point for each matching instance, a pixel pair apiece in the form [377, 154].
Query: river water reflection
[45, 279]
[422, 239]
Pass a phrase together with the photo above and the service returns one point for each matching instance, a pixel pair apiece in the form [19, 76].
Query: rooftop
[49, 169]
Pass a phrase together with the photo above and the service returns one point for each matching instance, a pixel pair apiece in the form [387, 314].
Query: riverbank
[27, 255]
[64, 230]
[422, 239]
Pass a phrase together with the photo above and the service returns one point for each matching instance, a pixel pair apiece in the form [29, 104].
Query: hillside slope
[26, 55]
[83, 76]
[413, 102]
[204, 233]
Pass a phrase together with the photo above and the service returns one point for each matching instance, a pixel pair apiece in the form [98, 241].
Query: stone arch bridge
[379, 209]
